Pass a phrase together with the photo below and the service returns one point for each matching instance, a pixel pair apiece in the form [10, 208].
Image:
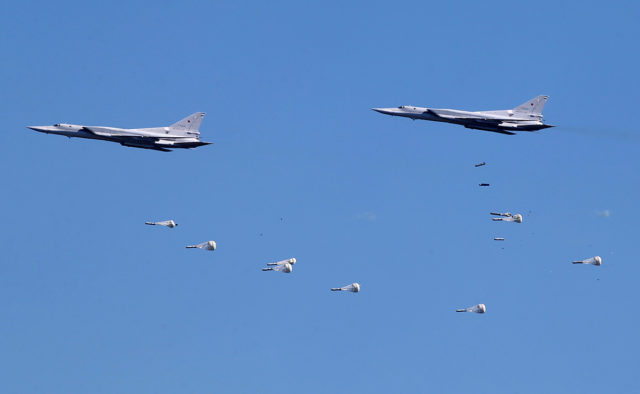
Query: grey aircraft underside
[183, 134]
[525, 117]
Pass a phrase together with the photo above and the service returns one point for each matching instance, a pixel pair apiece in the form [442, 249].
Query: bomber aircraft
[183, 134]
[525, 117]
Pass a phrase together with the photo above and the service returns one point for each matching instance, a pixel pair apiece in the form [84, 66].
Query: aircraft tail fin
[533, 106]
[190, 124]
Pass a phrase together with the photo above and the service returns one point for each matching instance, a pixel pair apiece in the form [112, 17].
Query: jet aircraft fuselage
[526, 117]
[183, 134]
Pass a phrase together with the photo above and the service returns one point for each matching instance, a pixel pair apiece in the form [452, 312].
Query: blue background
[95, 301]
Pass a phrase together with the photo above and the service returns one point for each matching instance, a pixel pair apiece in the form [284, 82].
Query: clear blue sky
[94, 301]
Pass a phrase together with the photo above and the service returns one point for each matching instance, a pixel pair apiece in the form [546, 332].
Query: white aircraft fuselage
[526, 117]
[183, 134]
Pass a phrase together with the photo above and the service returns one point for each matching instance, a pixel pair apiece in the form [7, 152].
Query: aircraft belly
[492, 129]
[194, 144]
[535, 127]
[160, 146]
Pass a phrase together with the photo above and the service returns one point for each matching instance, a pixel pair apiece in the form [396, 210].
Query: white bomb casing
[507, 217]
[209, 245]
[281, 262]
[479, 308]
[595, 260]
[285, 268]
[354, 288]
[166, 223]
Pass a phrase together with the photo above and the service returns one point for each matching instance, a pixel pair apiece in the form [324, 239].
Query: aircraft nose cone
[41, 129]
[386, 111]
